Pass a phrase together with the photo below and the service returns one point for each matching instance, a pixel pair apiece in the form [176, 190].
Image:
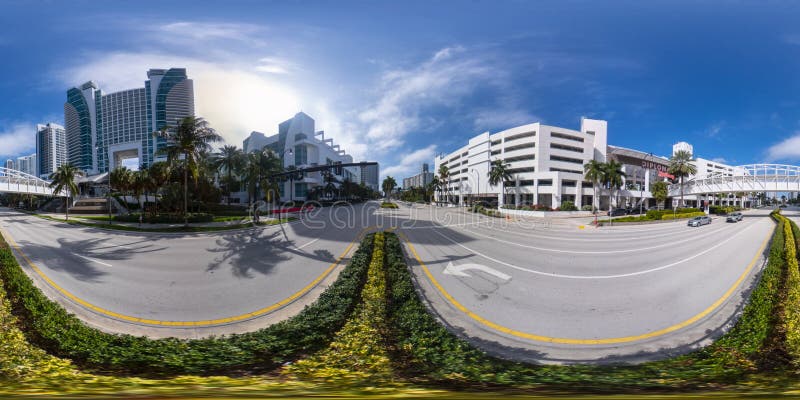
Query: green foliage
[64, 335]
[792, 306]
[165, 218]
[568, 206]
[587, 207]
[682, 215]
[358, 352]
[387, 204]
[477, 208]
[723, 210]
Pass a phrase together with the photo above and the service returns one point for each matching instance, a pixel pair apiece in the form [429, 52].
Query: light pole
[478, 181]
[641, 188]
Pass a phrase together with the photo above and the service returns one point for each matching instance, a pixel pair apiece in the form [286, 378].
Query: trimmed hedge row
[165, 218]
[682, 216]
[427, 349]
[387, 204]
[659, 214]
[792, 308]
[48, 325]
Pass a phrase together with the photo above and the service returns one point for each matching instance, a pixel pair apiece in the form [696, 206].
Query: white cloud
[274, 65]
[721, 160]
[204, 31]
[17, 139]
[232, 98]
[497, 119]
[787, 150]
[442, 81]
[410, 164]
[715, 128]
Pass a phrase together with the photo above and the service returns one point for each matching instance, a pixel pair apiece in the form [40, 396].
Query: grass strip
[358, 354]
[49, 326]
[428, 351]
[172, 229]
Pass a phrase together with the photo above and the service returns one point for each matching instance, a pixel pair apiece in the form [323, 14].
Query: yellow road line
[604, 341]
[145, 321]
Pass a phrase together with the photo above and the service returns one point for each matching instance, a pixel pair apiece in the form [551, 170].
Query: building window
[521, 146]
[521, 136]
[566, 159]
[545, 182]
[521, 158]
[519, 170]
[571, 171]
[567, 183]
[526, 182]
[565, 136]
[497, 142]
[496, 152]
[565, 147]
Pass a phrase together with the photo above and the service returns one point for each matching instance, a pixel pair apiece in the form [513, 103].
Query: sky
[400, 81]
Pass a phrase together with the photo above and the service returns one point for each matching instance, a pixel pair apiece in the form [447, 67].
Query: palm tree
[121, 178]
[660, 191]
[613, 178]
[159, 175]
[681, 166]
[64, 178]
[499, 173]
[187, 141]
[229, 159]
[140, 183]
[388, 185]
[594, 171]
[444, 179]
[433, 186]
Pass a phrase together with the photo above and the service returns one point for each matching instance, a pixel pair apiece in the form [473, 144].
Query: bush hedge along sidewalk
[792, 306]
[427, 349]
[49, 326]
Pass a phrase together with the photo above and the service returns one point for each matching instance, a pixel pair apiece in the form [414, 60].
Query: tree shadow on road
[75, 257]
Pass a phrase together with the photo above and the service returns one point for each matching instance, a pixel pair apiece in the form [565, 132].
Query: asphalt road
[557, 292]
[547, 291]
[184, 285]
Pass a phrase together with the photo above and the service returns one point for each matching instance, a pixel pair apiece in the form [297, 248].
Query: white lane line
[681, 231]
[554, 275]
[92, 260]
[306, 244]
[710, 233]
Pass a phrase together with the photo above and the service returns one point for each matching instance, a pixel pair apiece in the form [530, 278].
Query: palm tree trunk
[66, 207]
[681, 205]
[228, 185]
[186, 194]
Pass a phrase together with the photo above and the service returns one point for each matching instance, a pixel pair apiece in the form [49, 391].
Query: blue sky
[398, 82]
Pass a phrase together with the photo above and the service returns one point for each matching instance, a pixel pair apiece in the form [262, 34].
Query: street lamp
[478, 179]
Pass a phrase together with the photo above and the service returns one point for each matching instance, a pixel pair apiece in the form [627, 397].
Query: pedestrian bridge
[745, 179]
[13, 181]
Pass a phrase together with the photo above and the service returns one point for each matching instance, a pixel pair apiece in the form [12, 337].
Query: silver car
[697, 221]
[734, 217]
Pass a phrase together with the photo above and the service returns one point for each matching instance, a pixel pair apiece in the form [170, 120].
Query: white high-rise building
[300, 146]
[104, 129]
[51, 148]
[27, 165]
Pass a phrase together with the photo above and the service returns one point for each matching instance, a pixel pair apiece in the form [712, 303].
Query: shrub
[568, 206]
[587, 207]
[387, 204]
[165, 218]
[682, 216]
[792, 305]
[64, 335]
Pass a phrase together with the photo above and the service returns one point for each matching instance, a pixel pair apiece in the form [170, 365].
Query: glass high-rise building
[104, 129]
[51, 148]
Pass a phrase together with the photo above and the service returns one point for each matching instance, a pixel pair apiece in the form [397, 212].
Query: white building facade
[545, 161]
[51, 148]
[300, 146]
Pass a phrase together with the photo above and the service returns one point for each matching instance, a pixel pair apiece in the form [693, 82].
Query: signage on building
[656, 166]
[662, 174]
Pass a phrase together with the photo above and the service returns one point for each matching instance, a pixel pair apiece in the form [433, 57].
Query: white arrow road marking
[452, 269]
[93, 260]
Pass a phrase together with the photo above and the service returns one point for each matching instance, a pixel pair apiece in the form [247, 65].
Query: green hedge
[658, 214]
[387, 204]
[165, 218]
[682, 216]
[427, 349]
[48, 325]
[792, 307]
[723, 210]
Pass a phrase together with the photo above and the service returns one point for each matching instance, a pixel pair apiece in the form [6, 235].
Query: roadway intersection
[551, 292]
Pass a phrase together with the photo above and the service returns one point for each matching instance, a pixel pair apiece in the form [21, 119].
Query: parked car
[734, 217]
[617, 212]
[697, 221]
[782, 206]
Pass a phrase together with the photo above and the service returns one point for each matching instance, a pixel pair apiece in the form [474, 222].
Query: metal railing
[13, 181]
[745, 178]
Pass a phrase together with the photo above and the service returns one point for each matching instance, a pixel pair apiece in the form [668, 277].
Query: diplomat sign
[656, 166]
